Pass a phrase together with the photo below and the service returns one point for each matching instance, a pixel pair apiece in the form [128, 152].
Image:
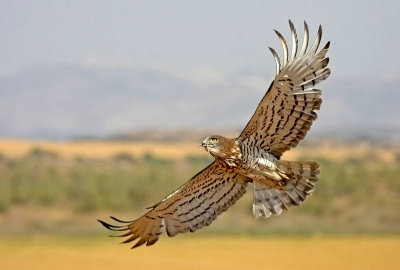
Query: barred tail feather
[302, 177]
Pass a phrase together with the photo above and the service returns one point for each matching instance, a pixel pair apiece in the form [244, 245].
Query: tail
[300, 183]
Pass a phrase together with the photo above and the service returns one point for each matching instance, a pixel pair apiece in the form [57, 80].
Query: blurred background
[102, 105]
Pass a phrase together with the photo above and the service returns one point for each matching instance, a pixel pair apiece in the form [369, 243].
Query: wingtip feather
[294, 41]
[119, 220]
[112, 227]
[284, 46]
[277, 61]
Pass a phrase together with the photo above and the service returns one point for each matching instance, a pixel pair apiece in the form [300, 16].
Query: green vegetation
[352, 195]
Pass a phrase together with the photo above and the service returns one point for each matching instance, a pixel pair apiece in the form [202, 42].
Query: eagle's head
[220, 147]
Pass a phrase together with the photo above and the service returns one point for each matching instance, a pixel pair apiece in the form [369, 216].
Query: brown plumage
[281, 120]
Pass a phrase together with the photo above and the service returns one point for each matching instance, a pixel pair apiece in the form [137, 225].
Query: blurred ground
[229, 252]
[61, 188]
[51, 194]
[327, 148]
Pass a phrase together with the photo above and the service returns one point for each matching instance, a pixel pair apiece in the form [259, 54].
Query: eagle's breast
[258, 161]
[235, 156]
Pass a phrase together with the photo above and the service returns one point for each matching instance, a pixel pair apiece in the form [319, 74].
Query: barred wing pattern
[194, 205]
[287, 110]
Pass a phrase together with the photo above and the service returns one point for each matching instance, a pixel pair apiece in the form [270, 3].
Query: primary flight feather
[280, 122]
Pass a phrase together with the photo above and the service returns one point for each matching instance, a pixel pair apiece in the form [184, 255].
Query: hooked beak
[204, 144]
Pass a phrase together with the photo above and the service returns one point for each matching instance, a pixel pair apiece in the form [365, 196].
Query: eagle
[280, 122]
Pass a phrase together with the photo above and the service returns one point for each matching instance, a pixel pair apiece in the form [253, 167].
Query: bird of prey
[280, 122]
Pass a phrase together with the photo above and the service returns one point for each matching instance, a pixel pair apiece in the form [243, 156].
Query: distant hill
[65, 101]
[167, 135]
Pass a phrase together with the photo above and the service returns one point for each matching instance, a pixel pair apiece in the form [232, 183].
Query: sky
[58, 52]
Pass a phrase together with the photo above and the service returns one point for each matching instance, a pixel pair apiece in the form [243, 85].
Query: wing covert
[287, 110]
[192, 206]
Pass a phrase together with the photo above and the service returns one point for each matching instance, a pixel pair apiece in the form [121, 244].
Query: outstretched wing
[287, 110]
[194, 205]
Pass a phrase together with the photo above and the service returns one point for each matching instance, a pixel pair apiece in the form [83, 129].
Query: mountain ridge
[59, 101]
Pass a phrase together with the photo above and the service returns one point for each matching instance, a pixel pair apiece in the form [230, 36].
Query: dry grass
[178, 150]
[229, 252]
[99, 149]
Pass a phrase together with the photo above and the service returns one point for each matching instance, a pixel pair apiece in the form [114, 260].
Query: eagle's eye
[214, 140]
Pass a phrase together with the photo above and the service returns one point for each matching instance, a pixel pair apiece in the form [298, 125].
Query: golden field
[51, 194]
[177, 150]
[192, 252]
[98, 149]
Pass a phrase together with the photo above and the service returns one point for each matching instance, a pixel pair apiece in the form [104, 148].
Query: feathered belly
[261, 167]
